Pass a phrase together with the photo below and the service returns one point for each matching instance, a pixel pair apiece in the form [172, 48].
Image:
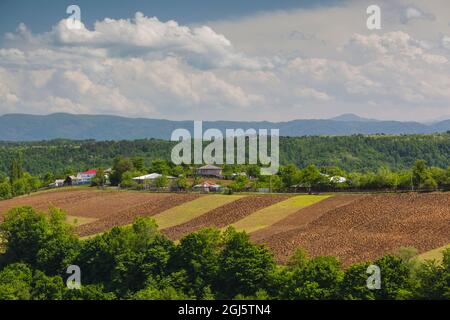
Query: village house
[209, 171]
[149, 177]
[58, 183]
[86, 176]
[208, 186]
[81, 178]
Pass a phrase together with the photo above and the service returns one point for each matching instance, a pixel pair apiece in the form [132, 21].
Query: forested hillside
[351, 153]
[26, 127]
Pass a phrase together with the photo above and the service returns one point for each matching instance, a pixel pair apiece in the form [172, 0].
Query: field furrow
[151, 207]
[224, 215]
[192, 209]
[268, 216]
[369, 227]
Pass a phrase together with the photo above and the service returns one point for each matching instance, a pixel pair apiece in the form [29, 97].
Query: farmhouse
[210, 171]
[70, 181]
[338, 179]
[86, 176]
[58, 183]
[208, 186]
[81, 178]
[335, 179]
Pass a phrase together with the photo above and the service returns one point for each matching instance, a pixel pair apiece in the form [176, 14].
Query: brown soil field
[304, 216]
[89, 203]
[368, 227]
[153, 205]
[224, 215]
[110, 208]
[353, 228]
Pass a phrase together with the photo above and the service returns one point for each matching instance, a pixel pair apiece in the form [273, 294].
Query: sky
[227, 60]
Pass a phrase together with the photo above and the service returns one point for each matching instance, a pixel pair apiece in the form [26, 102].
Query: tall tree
[16, 171]
[244, 266]
[121, 165]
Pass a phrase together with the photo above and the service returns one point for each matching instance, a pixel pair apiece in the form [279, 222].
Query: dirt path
[224, 215]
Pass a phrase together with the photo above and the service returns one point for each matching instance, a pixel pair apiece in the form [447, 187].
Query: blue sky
[227, 60]
[42, 14]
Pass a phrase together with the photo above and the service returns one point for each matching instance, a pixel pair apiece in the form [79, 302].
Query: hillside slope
[24, 127]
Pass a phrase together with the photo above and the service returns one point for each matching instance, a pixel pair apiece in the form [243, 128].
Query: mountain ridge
[27, 127]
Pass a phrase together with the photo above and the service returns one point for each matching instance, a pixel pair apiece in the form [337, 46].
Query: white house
[58, 183]
[151, 176]
[335, 179]
[338, 179]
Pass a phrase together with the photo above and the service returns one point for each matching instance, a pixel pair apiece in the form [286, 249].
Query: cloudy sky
[233, 60]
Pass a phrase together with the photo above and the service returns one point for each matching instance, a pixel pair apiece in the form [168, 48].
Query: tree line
[18, 182]
[356, 153]
[289, 178]
[138, 262]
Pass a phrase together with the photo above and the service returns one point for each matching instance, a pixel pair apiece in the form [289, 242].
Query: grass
[435, 254]
[79, 221]
[270, 215]
[192, 209]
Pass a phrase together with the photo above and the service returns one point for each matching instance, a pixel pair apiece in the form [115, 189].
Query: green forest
[137, 262]
[357, 153]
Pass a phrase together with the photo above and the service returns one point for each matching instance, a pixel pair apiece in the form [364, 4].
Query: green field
[270, 215]
[192, 209]
[435, 254]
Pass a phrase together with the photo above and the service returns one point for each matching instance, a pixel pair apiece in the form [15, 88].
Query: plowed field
[108, 208]
[366, 227]
[351, 227]
[224, 215]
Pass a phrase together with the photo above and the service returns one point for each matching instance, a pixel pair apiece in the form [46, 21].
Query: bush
[5, 190]
[15, 282]
[44, 241]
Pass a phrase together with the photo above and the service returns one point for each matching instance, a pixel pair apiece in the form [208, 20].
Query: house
[70, 181]
[86, 176]
[58, 183]
[210, 171]
[334, 179]
[81, 178]
[149, 177]
[338, 179]
[208, 186]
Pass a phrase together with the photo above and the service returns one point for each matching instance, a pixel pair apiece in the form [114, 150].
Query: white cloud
[272, 66]
[312, 94]
[412, 13]
[144, 37]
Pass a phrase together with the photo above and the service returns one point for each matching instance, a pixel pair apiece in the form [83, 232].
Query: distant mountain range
[25, 127]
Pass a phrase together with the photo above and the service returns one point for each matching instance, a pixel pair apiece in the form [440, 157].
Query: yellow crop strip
[435, 254]
[78, 221]
[270, 215]
[192, 209]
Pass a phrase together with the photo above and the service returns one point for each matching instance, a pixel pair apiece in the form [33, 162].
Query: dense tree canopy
[356, 153]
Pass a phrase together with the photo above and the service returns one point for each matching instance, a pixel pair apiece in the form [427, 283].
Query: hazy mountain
[351, 117]
[24, 127]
